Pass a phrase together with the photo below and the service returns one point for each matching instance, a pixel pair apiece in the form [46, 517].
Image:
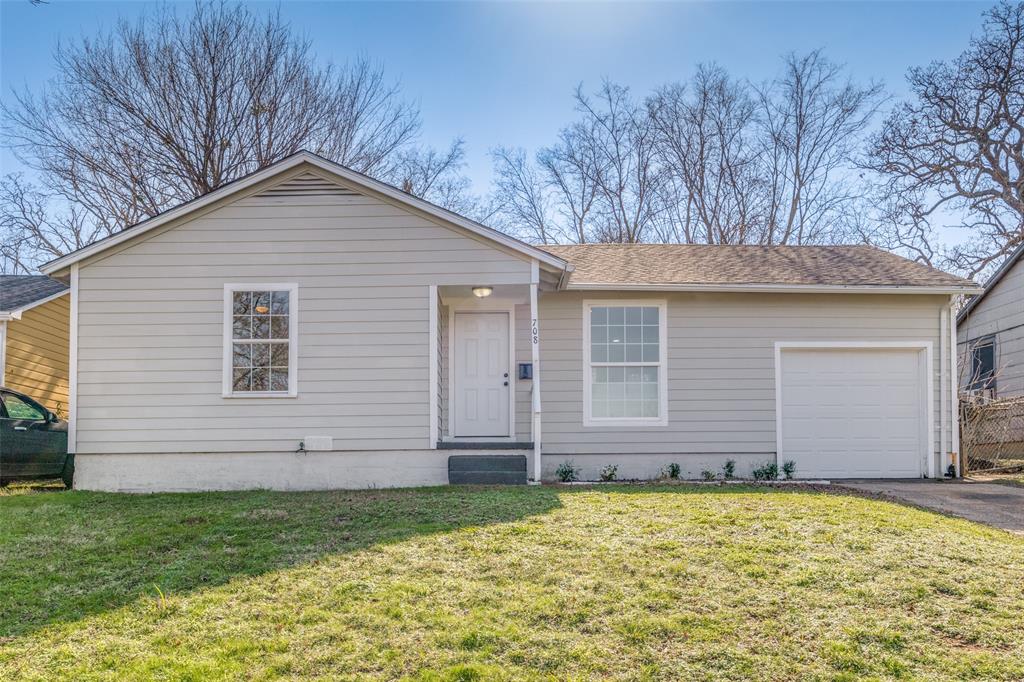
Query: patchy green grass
[679, 582]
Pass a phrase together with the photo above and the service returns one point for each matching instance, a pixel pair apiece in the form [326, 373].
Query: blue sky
[503, 73]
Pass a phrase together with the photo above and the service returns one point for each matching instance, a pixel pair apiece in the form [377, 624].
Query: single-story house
[990, 334]
[310, 327]
[34, 334]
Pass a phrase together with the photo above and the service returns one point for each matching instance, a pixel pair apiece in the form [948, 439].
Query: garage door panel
[852, 412]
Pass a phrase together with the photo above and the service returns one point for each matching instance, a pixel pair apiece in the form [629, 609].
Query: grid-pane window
[625, 362]
[261, 341]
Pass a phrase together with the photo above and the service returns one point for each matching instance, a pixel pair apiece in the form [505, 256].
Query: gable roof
[346, 175]
[751, 268]
[21, 292]
[996, 277]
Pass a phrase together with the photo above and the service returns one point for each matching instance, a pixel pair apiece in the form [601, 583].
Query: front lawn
[482, 583]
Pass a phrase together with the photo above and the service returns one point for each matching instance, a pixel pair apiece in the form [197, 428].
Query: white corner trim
[929, 369]
[73, 363]
[536, 423]
[434, 394]
[954, 388]
[293, 339]
[943, 379]
[662, 420]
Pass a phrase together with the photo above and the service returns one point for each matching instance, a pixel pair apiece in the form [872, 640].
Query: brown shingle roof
[712, 265]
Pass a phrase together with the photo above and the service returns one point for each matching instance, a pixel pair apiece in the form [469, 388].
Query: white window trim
[662, 419]
[292, 288]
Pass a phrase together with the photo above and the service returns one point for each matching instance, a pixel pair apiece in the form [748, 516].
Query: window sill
[259, 395]
[635, 422]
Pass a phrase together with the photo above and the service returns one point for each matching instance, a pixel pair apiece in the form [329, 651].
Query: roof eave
[778, 288]
[996, 277]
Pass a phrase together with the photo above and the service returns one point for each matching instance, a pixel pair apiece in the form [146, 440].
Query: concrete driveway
[997, 505]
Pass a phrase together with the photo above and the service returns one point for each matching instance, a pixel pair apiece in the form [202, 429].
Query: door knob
[506, 383]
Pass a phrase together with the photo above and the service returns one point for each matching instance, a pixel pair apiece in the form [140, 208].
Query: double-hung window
[983, 364]
[260, 322]
[624, 356]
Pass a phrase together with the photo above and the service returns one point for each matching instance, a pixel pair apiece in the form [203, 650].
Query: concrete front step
[487, 469]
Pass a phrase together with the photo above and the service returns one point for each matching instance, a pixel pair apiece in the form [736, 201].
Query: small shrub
[788, 468]
[672, 470]
[729, 469]
[567, 473]
[610, 472]
[767, 472]
[708, 475]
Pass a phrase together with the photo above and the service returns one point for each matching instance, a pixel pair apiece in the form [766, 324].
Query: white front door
[481, 375]
[853, 413]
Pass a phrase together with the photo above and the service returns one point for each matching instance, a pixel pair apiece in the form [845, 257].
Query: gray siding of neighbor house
[721, 365]
[1000, 313]
[150, 344]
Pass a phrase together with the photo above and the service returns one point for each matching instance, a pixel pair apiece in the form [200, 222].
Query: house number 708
[534, 332]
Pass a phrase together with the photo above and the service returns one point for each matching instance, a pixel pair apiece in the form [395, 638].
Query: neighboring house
[309, 327]
[34, 319]
[990, 334]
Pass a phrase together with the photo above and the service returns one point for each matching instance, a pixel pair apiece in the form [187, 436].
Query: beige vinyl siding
[1000, 313]
[37, 354]
[721, 364]
[151, 326]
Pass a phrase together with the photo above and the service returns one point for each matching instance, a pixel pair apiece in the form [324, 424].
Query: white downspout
[943, 391]
[73, 365]
[954, 380]
[432, 363]
[535, 359]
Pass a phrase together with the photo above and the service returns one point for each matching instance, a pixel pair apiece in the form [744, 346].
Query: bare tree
[31, 232]
[523, 196]
[157, 112]
[437, 177]
[616, 135]
[956, 148]
[704, 136]
[571, 172]
[812, 121]
[764, 165]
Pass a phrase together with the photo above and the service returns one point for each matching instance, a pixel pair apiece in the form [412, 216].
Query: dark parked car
[33, 440]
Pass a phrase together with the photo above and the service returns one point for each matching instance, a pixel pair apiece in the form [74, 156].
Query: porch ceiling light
[482, 292]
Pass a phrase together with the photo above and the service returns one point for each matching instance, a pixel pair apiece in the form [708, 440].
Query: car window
[20, 409]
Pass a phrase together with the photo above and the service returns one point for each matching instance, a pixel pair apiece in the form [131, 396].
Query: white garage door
[853, 413]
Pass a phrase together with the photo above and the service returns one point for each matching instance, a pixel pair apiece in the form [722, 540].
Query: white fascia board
[772, 288]
[359, 180]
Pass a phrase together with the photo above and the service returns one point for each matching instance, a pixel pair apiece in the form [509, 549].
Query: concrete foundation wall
[650, 466]
[194, 472]
[191, 472]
